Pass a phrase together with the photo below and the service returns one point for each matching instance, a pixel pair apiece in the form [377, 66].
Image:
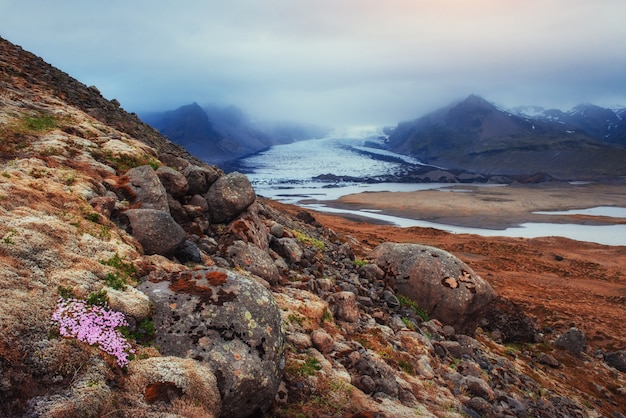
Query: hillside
[476, 135]
[139, 281]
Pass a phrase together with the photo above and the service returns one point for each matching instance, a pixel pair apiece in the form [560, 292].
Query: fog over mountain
[331, 62]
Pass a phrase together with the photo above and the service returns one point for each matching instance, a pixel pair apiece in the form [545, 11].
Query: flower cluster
[94, 325]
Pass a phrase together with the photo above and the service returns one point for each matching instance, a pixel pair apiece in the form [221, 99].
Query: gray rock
[441, 284]
[572, 340]
[156, 230]
[476, 386]
[616, 359]
[289, 249]
[229, 196]
[142, 187]
[277, 230]
[251, 258]
[322, 340]
[228, 321]
[200, 178]
[548, 360]
[188, 252]
[175, 183]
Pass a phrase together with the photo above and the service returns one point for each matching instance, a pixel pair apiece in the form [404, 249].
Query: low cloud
[336, 62]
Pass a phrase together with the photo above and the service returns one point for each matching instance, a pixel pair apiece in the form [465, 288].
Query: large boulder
[142, 187]
[441, 284]
[228, 321]
[229, 196]
[156, 230]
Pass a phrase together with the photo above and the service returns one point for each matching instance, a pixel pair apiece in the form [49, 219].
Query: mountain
[475, 134]
[600, 123]
[217, 135]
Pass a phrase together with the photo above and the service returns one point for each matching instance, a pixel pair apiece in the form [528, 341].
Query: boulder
[175, 182]
[251, 258]
[229, 196]
[289, 249]
[616, 359]
[142, 187]
[344, 306]
[156, 230]
[162, 379]
[441, 284]
[572, 340]
[200, 178]
[229, 322]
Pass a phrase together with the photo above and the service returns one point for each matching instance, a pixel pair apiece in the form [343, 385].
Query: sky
[331, 62]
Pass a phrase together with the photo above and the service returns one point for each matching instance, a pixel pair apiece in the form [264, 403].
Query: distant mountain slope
[476, 135]
[216, 135]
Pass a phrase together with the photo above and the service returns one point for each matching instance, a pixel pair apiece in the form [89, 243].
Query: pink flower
[94, 325]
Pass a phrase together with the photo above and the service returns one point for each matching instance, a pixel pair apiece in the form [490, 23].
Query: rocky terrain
[139, 281]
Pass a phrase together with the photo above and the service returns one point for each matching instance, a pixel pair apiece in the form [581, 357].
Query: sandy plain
[493, 207]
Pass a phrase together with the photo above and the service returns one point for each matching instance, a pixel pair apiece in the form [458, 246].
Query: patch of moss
[405, 301]
[306, 239]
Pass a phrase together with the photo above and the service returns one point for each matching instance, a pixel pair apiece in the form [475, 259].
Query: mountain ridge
[218, 135]
[477, 135]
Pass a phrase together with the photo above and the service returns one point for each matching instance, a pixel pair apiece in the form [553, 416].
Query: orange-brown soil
[561, 282]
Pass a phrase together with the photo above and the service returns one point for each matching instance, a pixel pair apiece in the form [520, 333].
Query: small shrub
[98, 298]
[327, 316]
[66, 292]
[359, 263]
[304, 238]
[309, 368]
[8, 238]
[125, 269]
[5, 174]
[296, 319]
[92, 216]
[115, 281]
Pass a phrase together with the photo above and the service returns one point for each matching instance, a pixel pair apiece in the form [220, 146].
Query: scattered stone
[344, 306]
[322, 340]
[289, 249]
[548, 360]
[476, 386]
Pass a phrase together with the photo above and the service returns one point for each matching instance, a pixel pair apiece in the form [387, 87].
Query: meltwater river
[286, 173]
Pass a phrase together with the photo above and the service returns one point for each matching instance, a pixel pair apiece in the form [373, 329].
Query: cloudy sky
[336, 62]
